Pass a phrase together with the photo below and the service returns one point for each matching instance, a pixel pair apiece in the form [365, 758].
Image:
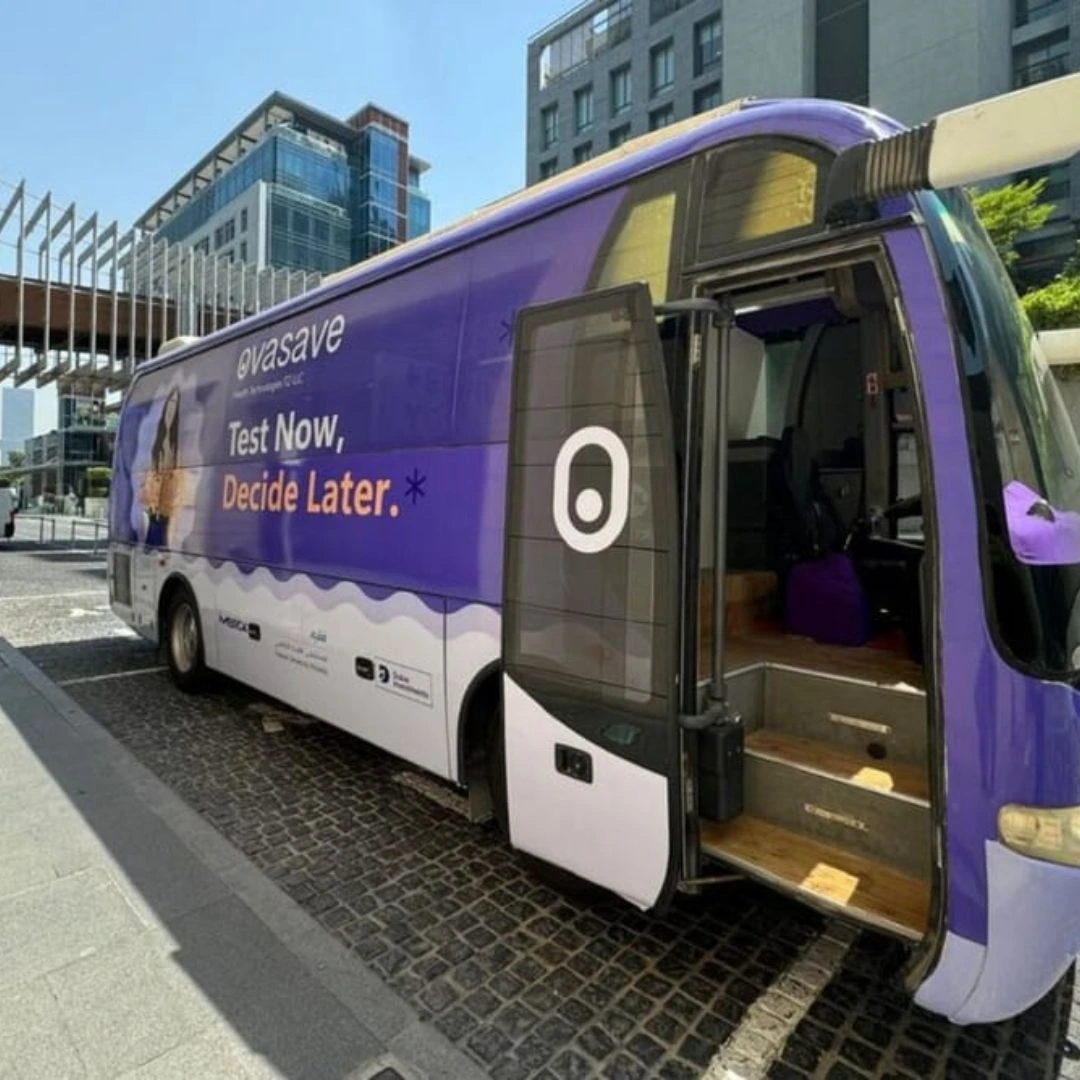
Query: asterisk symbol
[414, 485]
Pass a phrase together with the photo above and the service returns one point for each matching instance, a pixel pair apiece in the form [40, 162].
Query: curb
[415, 1047]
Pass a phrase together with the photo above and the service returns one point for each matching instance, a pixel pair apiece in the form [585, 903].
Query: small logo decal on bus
[589, 504]
[233, 623]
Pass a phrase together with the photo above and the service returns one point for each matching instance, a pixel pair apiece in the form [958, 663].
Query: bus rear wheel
[184, 641]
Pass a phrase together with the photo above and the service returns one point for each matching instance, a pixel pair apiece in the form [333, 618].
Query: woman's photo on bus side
[160, 487]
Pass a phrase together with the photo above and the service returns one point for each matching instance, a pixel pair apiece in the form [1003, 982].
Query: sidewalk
[136, 942]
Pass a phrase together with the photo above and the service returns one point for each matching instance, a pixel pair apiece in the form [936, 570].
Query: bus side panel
[351, 454]
[362, 659]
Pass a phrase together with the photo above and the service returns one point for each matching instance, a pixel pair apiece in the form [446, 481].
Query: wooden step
[825, 876]
[856, 717]
[891, 777]
[881, 667]
[887, 829]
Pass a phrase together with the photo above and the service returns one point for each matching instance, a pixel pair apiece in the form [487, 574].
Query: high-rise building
[613, 69]
[292, 187]
[16, 420]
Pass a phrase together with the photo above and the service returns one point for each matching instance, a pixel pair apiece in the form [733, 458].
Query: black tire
[182, 637]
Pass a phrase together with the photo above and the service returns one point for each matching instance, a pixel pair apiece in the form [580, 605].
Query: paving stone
[449, 916]
[128, 1004]
[34, 1041]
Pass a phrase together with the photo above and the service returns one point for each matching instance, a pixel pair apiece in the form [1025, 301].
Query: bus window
[1022, 437]
[640, 245]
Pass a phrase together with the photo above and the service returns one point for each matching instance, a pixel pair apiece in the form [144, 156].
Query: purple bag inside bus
[825, 600]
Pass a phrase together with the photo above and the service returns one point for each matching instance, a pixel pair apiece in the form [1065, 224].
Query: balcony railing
[1040, 72]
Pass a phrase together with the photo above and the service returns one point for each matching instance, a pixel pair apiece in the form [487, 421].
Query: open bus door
[591, 596]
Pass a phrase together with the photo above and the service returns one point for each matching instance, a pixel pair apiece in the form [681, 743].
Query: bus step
[829, 796]
[817, 873]
[874, 722]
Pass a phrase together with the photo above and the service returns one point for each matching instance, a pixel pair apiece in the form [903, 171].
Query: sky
[108, 104]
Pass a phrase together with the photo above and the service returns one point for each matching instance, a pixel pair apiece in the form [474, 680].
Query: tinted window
[1021, 433]
[755, 191]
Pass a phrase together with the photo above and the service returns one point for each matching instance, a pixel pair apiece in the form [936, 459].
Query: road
[528, 981]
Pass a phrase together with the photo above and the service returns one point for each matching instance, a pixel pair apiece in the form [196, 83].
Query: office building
[292, 187]
[16, 420]
[58, 462]
[613, 69]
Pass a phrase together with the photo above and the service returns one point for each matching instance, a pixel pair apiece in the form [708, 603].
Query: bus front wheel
[184, 641]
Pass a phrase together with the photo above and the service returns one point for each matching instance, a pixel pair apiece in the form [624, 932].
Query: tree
[1055, 306]
[1005, 213]
[16, 459]
[1008, 211]
[98, 479]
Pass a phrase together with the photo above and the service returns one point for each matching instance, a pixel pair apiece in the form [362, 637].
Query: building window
[708, 38]
[1045, 59]
[223, 234]
[243, 251]
[620, 90]
[660, 118]
[243, 219]
[619, 135]
[585, 40]
[661, 68]
[582, 153]
[1057, 179]
[583, 109]
[1029, 11]
[842, 51]
[658, 9]
[549, 125]
[708, 97]
[548, 168]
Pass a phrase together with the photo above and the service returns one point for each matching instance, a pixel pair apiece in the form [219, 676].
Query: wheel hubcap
[184, 638]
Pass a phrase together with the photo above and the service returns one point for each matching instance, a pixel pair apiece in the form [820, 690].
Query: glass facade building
[301, 191]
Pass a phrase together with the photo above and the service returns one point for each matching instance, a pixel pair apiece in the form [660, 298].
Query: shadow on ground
[530, 982]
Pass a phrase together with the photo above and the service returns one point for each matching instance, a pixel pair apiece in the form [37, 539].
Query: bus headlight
[1042, 833]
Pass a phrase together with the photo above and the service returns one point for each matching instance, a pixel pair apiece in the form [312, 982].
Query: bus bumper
[1033, 935]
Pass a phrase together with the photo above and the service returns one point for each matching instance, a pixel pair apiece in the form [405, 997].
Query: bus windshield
[1026, 449]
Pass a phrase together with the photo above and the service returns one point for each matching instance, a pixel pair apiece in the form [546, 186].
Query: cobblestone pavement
[530, 982]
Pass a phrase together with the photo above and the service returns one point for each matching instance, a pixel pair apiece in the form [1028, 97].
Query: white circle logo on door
[589, 504]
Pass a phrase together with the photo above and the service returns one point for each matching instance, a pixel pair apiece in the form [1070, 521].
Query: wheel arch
[174, 583]
[474, 717]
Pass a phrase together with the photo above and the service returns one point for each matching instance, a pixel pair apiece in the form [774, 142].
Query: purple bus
[705, 509]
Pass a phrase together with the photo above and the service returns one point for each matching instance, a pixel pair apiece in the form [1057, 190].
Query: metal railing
[55, 529]
[1041, 71]
[91, 299]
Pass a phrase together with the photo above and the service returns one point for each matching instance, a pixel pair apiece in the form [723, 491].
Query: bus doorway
[817, 645]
